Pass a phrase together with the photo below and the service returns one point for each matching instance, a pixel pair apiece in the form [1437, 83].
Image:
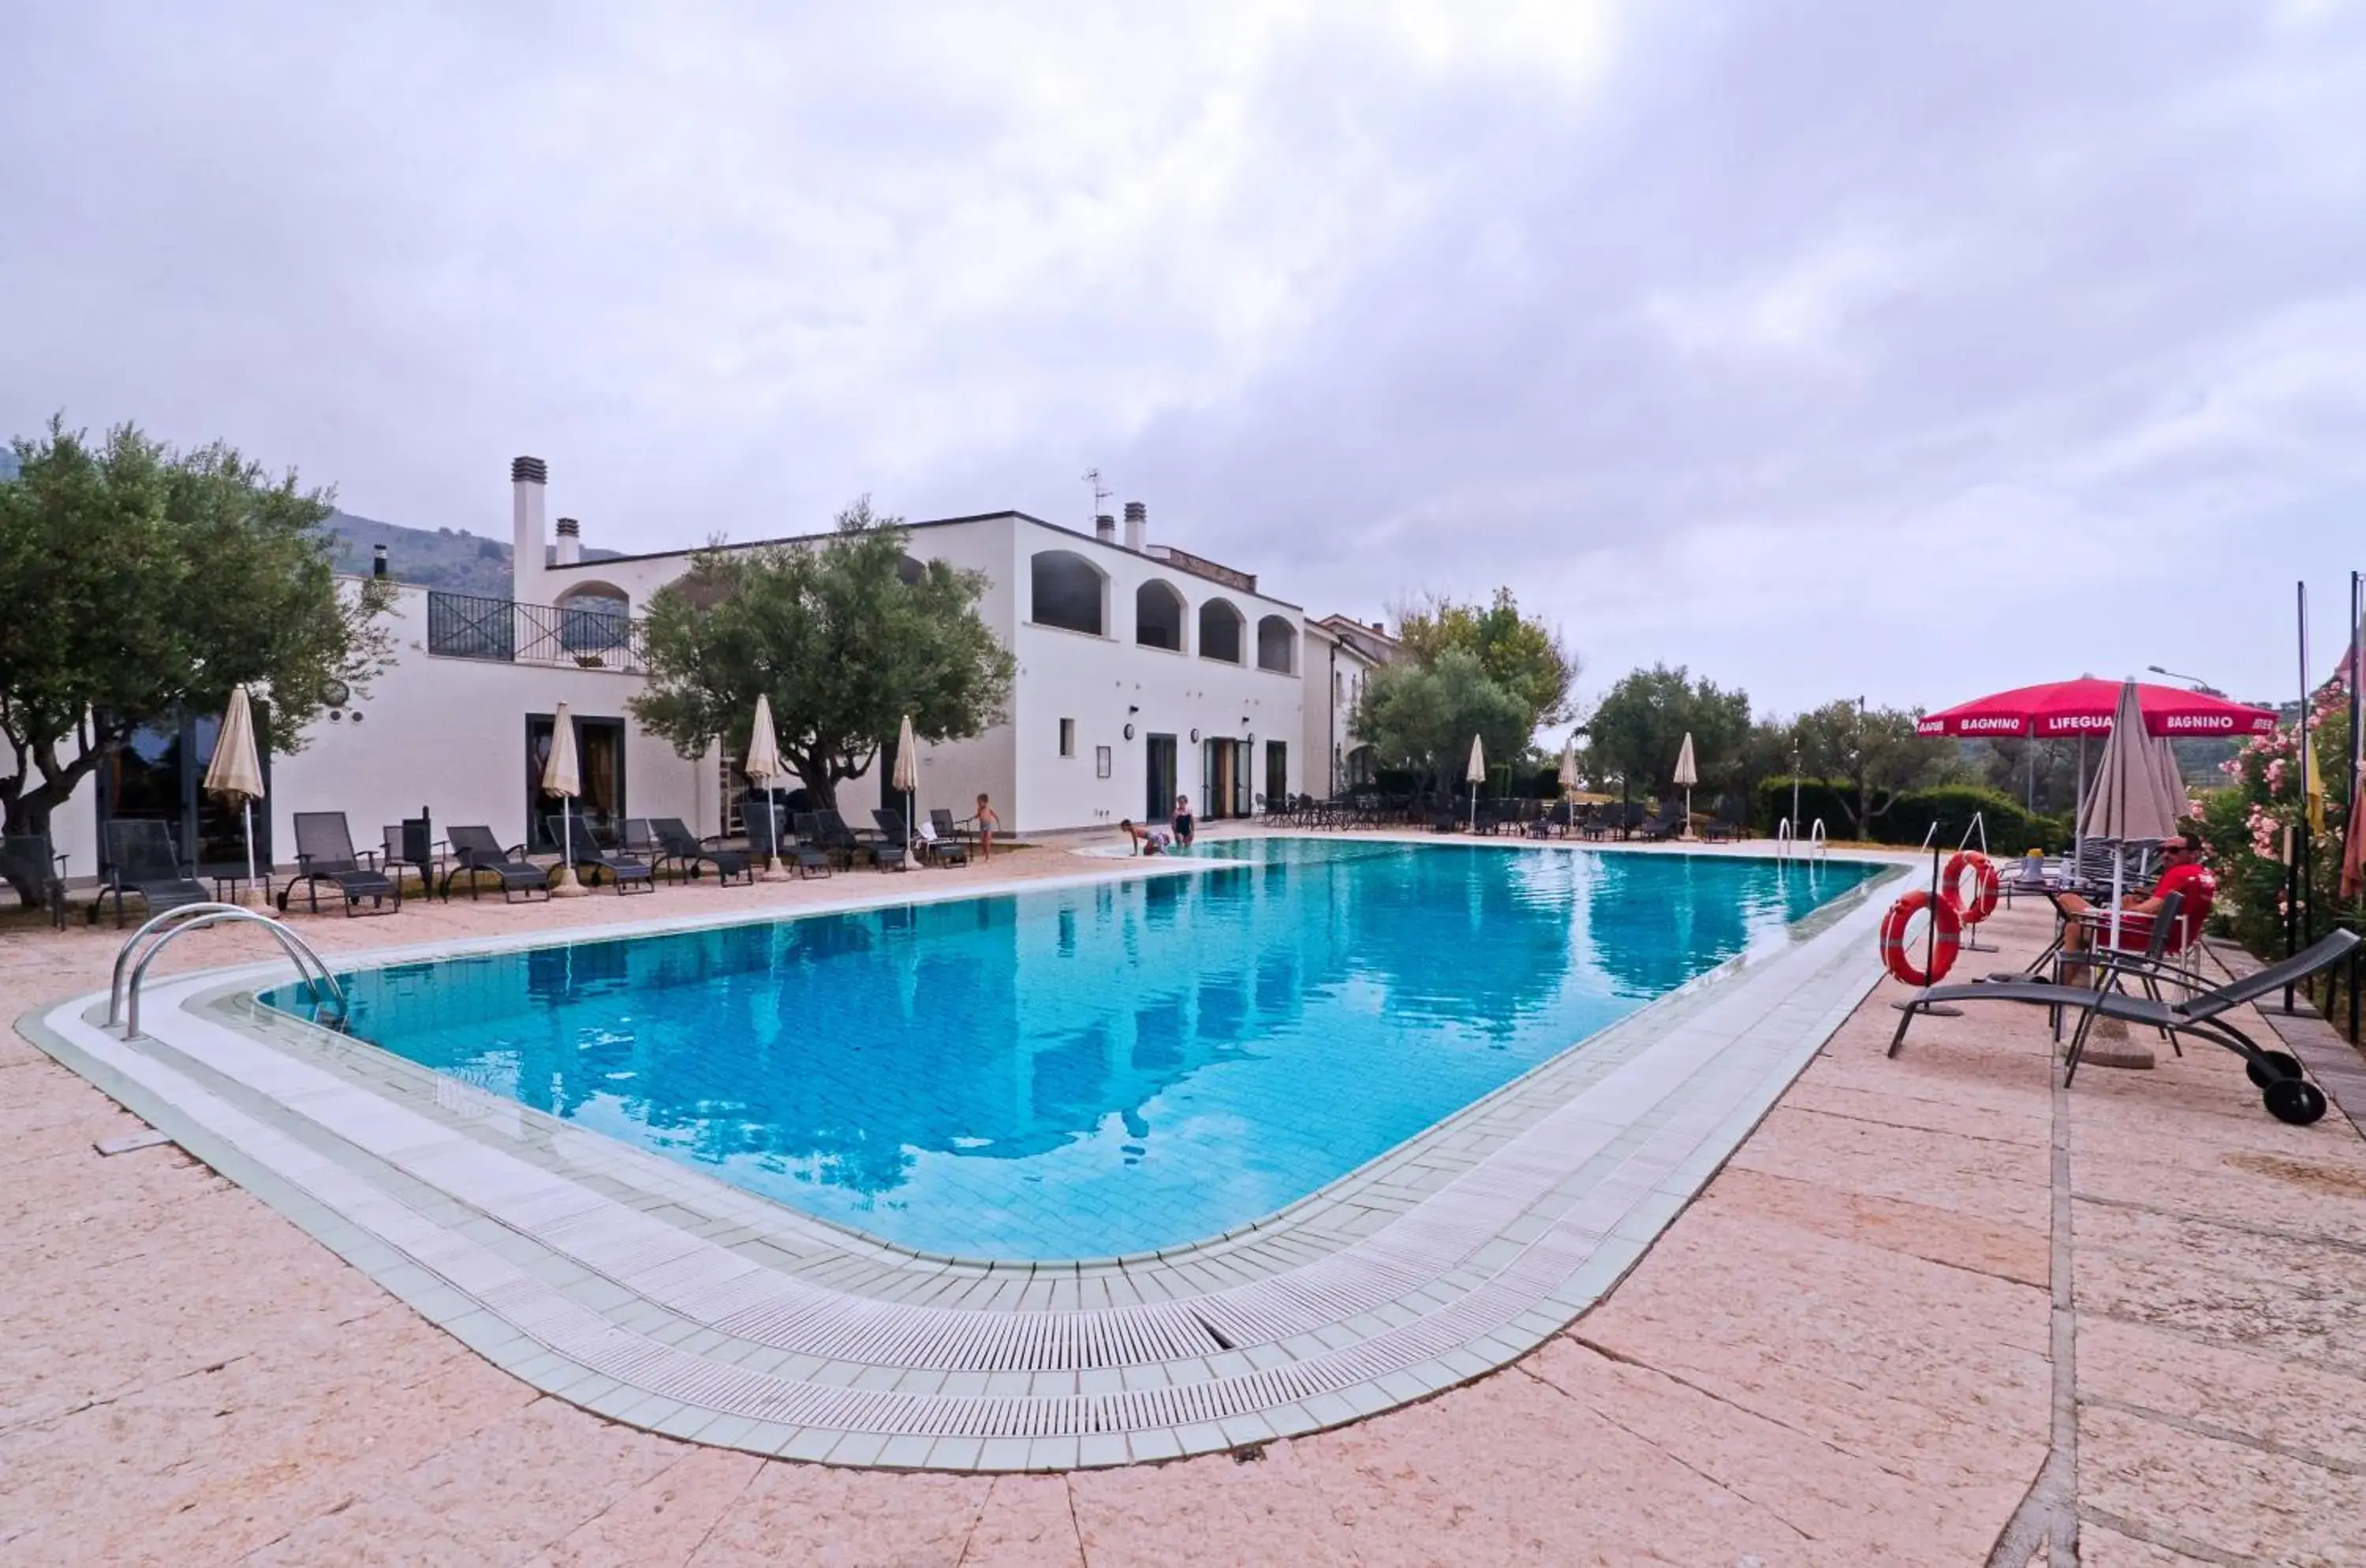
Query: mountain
[432, 558]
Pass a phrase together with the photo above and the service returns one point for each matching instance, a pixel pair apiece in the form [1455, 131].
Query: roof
[1187, 563]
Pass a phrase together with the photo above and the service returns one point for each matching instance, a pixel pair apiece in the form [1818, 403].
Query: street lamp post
[2196, 681]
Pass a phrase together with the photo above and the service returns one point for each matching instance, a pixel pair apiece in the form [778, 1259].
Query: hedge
[2012, 829]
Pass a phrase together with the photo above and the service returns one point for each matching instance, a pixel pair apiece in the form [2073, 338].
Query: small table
[228, 879]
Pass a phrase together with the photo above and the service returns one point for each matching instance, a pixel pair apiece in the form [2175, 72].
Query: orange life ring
[1987, 886]
[1947, 935]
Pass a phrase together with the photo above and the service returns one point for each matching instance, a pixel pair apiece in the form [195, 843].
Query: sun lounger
[2288, 1095]
[625, 872]
[325, 853]
[676, 843]
[1667, 824]
[27, 860]
[142, 862]
[1731, 822]
[477, 852]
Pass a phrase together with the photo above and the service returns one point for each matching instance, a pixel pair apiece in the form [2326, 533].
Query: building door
[1158, 758]
[1277, 775]
[160, 773]
[1225, 789]
[599, 761]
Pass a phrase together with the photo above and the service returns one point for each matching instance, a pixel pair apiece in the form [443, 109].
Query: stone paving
[1844, 1350]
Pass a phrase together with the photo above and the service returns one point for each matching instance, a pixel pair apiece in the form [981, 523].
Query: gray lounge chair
[2288, 1095]
[1667, 824]
[676, 843]
[625, 872]
[477, 852]
[28, 859]
[142, 861]
[325, 853]
[1729, 824]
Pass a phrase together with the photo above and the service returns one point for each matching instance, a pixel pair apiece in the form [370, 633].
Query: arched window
[1158, 615]
[1277, 639]
[1220, 631]
[909, 571]
[1069, 593]
[594, 617]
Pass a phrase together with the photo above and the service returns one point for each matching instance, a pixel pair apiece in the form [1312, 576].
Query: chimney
[527, 479]
[377, 562]
[569, 550]
[1105, 528]
[1137, 526]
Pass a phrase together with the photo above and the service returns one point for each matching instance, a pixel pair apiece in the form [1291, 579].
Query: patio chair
[28, 859]
[831, 833]
[477, 852]
[325, 853]
[142, 861]
[1667, 824]
[625, 872]
[947, 830]
[2287, 1093]
[686, 849]
[1731, 823]
[894, 852]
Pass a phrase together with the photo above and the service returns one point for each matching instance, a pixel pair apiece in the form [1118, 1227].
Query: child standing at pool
[1182, 821]
[985, 822]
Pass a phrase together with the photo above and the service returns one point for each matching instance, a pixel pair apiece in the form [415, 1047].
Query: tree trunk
[25, 812]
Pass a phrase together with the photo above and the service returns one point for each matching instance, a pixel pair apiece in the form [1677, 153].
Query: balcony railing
[597, 633]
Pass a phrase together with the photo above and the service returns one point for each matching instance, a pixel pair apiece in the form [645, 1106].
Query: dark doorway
[160, 774]
[1158, 755]
[1277, 774]
[1224, 787]
[890, 798]
[599, 759]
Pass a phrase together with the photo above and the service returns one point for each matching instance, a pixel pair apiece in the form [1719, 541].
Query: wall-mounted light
[1129, 732]
[1195, 736]
[1134, 707]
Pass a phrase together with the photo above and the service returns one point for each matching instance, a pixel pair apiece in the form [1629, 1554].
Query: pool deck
[1844, 1349]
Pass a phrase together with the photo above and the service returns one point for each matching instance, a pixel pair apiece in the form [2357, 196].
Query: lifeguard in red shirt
[2185, 875]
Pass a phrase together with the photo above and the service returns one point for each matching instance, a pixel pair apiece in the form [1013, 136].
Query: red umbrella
[2084, 707]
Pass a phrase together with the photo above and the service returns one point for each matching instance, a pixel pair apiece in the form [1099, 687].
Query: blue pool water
[1083, 1071]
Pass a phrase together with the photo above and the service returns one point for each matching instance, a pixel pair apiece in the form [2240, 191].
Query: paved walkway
[1844, 1352]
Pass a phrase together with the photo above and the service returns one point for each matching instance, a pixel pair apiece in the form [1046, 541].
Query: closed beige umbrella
[2136, 798]
[908, 775]
[236, 774]
[1476, 774]
[563, 777]
[1687, 775]
[1569, 781]
[763, 765]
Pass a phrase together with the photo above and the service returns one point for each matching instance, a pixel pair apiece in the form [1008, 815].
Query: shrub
[2011, 828]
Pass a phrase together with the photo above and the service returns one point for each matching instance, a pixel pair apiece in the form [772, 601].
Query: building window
[1100, 761]
[1276, 639]
[1220, 631]
[1068, 737]
[1069, 593]
[1158, 615]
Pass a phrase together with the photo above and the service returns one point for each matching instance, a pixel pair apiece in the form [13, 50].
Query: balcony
[597, 633]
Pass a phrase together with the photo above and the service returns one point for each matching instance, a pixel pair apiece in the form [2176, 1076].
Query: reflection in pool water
[1089, 1070]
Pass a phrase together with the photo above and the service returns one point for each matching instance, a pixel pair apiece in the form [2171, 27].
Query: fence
[592, 634]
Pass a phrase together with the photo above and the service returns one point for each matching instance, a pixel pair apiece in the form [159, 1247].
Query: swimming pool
[1086, 1071]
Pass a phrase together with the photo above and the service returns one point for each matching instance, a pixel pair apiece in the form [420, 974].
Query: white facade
[449, 733]
[1340, 655]
[1103, 723]
[1233, 721]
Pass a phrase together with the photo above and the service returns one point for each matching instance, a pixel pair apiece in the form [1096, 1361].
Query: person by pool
[1183, 821]
[985, 821]
[1145, 840]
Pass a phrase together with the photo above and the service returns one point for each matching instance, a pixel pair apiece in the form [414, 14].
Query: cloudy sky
[1829, 348]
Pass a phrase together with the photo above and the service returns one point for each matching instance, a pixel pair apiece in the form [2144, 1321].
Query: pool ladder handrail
[123, 1002]
[1815, 845]
[1787, 842]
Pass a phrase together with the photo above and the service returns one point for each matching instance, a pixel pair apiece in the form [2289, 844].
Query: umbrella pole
[246, 808]
[566, 887]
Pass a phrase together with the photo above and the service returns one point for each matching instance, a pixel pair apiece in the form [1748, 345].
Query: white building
[1143, 673]
[1338, 654]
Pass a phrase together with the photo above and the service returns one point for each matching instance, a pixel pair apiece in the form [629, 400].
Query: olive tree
[136, 581]
[845, 635]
